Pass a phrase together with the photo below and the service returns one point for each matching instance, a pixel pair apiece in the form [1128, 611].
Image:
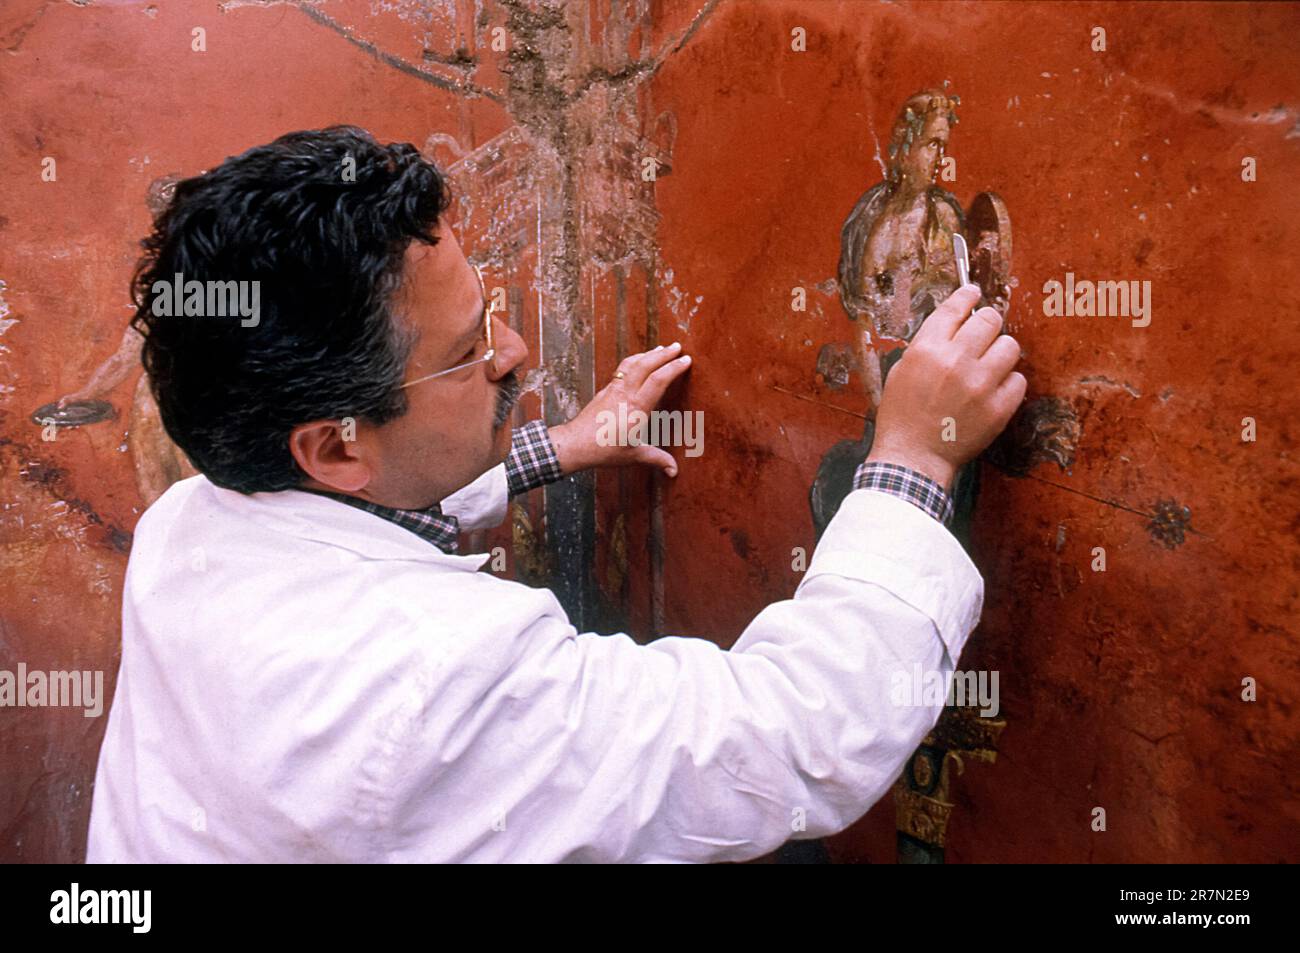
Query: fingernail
[676, 344]
[685, 359]
[659, 347]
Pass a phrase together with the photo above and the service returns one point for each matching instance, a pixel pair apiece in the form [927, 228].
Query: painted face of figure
[921, 162]
[921, 137]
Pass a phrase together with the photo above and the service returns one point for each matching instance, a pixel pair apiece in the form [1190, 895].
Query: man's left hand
[644, 378]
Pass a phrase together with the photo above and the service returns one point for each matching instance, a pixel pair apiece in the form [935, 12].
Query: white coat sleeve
[595, 748]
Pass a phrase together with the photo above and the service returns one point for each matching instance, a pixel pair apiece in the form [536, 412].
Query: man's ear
[320, 449]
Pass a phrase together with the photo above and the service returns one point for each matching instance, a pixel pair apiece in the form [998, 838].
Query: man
[310, 672]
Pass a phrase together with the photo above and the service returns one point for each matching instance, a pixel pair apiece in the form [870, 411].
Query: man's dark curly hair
[321, 219]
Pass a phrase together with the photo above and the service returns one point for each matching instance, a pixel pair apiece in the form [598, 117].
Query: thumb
[656, 457]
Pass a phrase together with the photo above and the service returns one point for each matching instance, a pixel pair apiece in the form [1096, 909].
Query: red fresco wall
[1119, 689]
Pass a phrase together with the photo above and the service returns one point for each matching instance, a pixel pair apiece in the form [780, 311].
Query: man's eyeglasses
[489, 308]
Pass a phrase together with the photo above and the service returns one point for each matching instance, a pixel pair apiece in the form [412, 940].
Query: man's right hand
[951, 393]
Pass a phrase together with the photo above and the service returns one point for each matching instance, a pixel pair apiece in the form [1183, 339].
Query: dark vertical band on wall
[570, 502]
[657, 623]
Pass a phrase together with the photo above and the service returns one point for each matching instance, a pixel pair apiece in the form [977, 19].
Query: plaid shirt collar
[429, 524]
[532, 463]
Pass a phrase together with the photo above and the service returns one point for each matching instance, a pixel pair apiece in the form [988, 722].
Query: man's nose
[511, 351]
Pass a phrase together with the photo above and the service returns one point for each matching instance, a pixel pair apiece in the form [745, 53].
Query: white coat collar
[306, 515]
[482, 503]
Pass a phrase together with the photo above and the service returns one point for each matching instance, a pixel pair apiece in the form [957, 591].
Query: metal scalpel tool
[963, 260]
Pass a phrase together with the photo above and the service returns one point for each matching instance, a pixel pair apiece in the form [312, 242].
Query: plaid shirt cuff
[917, 488]
[532, 461]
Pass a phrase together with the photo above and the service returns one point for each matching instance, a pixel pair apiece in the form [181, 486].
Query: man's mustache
[507, 394]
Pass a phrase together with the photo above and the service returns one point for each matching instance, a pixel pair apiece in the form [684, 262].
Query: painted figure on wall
[896, 249]
[897, 264]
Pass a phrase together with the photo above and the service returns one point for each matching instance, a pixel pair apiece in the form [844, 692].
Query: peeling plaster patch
[6, 323]
[1107, 382]
[417, 12]
[835, 362]
[1170, 523]
[229, 5]
[535, 381]
[1046, 428]
[678, 299]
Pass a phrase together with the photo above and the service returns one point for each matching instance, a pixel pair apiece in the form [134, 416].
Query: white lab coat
[304, 681]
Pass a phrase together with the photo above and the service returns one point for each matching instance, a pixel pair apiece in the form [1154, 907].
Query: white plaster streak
[880, 161]
[676, 299]
[541, 340]
[6, 323]
[1274, 116]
